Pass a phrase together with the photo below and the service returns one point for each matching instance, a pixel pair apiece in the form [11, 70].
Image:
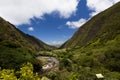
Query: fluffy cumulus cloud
[96, 6]
[76, 24]
[31, 29]
[99, 5]
[21, 11]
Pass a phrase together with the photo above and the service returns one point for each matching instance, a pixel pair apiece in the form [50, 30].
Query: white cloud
[56, 43]
[76, 24]
[99, 5]
[96, 6]
[21, 11]
[31, 29]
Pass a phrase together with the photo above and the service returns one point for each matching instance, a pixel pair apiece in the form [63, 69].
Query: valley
[93, 50]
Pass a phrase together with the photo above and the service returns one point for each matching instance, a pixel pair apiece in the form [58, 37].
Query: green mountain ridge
[104, 26]
[17, 47]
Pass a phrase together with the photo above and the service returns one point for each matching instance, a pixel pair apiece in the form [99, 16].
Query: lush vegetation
[82, 63]
[17, 47]
[25, 73]
[93, 58]
[95, 48]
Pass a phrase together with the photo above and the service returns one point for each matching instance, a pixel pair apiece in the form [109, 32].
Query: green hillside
[94, 48]
[104, 26]
[17, 47]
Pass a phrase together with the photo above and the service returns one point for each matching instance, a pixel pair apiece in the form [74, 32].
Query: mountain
[17, 47]
[104, 26]
[94, 48]
[93, 52]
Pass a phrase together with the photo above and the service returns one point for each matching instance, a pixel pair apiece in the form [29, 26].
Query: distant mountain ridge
[105, 26]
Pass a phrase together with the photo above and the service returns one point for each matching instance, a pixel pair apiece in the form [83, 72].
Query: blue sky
[52, 28]
[53, 22]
